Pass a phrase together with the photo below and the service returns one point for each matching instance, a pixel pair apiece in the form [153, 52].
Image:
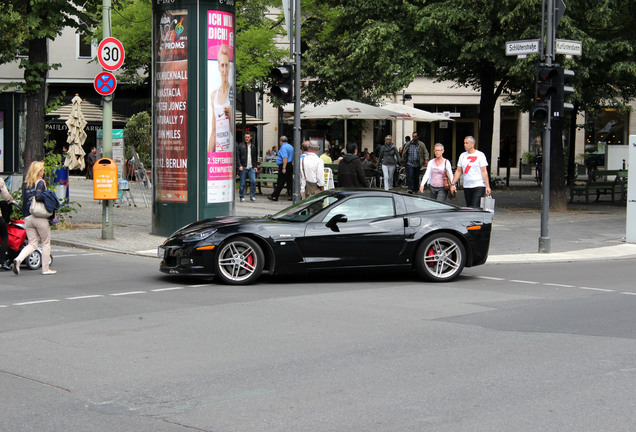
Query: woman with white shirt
[436, 169]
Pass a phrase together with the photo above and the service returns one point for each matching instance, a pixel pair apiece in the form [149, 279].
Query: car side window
[363, 208]
[416, 204]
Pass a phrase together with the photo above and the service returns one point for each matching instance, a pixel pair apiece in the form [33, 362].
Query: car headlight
[198, 235]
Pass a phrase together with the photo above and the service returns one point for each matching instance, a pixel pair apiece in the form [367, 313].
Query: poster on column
[220, 166]
[171, 110]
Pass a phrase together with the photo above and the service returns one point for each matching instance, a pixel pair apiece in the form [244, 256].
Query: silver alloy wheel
[441, 257]
[239, 261]
[34, 260]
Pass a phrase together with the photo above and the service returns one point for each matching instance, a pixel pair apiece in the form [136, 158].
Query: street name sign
[105, 83]
[569, 47]
[111, 54]
[522, 47]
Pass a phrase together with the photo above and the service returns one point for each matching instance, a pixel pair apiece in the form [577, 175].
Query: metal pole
[403, 103]
[107, 128]
[297, 135]
[544, 239]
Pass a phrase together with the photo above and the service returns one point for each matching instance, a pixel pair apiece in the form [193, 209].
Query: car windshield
[307, 208]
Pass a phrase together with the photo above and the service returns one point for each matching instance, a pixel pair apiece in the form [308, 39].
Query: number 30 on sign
[111, 54]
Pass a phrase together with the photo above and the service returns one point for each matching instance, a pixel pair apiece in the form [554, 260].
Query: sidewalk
[585, 232]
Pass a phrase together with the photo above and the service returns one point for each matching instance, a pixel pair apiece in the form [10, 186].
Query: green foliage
[256, 49]
[132, 25]
[528, 158]
[138, 135]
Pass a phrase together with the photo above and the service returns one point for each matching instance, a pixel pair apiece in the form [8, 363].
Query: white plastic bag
[488, 203]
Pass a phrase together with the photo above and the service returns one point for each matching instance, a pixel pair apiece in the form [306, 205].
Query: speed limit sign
[110, 54]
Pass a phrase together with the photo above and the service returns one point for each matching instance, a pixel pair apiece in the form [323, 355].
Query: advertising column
[193, 111]
[220, 101]
[171, 109]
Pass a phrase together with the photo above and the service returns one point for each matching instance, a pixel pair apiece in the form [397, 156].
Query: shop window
[603, 129]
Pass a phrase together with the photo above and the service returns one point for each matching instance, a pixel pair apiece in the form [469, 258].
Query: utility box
[105, 180]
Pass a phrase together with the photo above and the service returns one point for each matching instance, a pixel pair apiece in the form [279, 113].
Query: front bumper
[186, 261]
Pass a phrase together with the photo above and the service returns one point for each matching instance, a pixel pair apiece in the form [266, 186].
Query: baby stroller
[18, 240]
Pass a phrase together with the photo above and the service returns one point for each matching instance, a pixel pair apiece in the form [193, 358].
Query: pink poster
[220, 106]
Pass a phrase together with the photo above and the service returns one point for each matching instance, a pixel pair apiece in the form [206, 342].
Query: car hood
[215, 222]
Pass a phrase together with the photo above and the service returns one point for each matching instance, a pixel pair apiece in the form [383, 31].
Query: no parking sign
[105, 83]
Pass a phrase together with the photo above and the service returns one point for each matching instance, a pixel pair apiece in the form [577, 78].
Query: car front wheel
[239, 261]
[440, 258]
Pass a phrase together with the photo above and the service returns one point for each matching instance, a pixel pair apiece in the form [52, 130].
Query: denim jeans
[413, 178]
[438, 193]
[473, 196]
[244, 173]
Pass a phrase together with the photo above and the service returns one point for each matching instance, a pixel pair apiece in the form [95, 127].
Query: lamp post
[405, 97]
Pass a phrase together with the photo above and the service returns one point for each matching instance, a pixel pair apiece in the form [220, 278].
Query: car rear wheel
[239, 261]
[440, 258]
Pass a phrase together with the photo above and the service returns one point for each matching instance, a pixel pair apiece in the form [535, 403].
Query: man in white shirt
[474, 166]
[312, 171]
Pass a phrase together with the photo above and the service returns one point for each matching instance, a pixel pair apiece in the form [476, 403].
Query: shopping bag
[488, 203]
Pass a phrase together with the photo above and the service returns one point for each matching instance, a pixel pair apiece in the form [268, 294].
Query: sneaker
[16, 266]
[252, 198]
[242, 199]
[49, 272]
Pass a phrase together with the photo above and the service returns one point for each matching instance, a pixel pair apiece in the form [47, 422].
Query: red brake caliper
[430, 253]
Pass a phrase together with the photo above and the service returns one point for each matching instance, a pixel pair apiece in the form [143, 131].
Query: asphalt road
[109, 344]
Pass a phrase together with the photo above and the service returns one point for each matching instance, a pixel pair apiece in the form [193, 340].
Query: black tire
[440, 258]
[239, 261]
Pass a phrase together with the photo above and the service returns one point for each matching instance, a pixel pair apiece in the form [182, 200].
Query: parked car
[336, 229]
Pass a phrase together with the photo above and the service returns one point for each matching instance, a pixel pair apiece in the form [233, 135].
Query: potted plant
[527, 160]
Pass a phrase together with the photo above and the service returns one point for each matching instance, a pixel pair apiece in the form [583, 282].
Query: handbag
[38, 209]
[488, 203]
[447, 182]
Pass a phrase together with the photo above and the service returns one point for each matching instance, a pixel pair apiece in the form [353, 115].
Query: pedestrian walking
[436, 169]
[388, 158]
[33, 188]
[472, 163]
[414, 156]
[284, 160]
[312, 171]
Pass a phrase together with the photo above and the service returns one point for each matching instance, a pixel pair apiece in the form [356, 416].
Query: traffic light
[546, 87]
[283, 87]
[559, 104]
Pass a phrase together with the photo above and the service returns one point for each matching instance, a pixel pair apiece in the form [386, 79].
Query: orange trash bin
[105, 181]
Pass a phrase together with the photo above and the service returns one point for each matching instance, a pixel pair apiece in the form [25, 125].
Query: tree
[256, 49]
[132, 25]
[367, 49]
[37, 24]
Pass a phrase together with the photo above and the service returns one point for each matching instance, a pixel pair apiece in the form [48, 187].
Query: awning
[249, 120]
[92, 113]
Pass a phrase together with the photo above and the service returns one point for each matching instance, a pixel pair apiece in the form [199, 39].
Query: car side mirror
[333, 222]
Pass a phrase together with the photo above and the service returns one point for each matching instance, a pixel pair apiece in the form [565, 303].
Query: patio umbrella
[76, 136]
[348, 109]
[411, 113]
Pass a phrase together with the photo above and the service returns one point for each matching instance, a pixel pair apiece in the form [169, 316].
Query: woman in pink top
[436, 169]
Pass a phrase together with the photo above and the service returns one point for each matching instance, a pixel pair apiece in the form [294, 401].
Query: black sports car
[338, 228]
